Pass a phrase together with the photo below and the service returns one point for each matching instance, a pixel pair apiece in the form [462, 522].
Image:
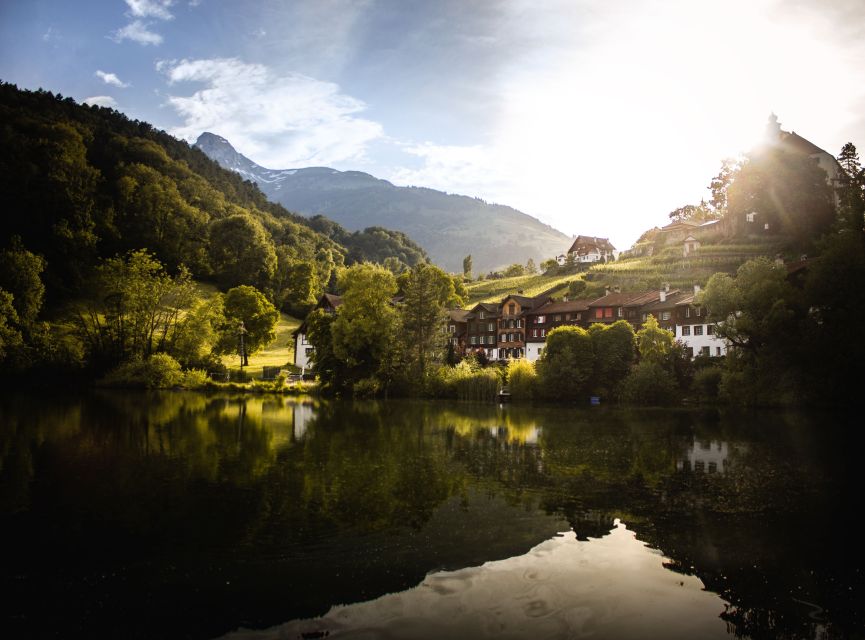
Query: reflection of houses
[706, 457]
[302, 348]
[304, 412]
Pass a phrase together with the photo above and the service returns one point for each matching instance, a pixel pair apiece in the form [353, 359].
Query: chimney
[606, 290]
[663, 296]
[617, 289]
[696, 289]
[666, 287]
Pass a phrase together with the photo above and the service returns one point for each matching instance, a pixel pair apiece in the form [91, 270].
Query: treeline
[85, 186]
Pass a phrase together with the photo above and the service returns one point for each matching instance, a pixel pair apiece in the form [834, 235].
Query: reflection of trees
[365, 498]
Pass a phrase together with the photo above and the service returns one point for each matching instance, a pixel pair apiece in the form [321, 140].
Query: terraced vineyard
[531, 285]
[633, 274]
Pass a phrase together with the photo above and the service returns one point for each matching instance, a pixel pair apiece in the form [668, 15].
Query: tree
[330, 370]
[20, 272]
[789, 193]
[241, 252]
[133, 307]
[426, 290]
[365, 326]
[247, 312]
[614, 354]
[515, 269]
[851, 189]
[10, 336]
[549, 266]
[721, 183]
[530, 266]
[467, 267]
[654, 343]
[575, 288]
[566, 364]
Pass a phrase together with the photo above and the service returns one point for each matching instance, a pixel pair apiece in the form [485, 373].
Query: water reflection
[612, 587]
[197, 515]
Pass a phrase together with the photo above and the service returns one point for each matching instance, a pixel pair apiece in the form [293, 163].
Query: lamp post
[241, 330]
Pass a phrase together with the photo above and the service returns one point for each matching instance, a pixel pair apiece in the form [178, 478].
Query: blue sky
[597, 117]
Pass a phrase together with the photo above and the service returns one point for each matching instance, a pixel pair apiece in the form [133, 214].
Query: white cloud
[112, 79]
[101, 101]
[139, 32]
[280, 121]
[150, 9]
[473, 170]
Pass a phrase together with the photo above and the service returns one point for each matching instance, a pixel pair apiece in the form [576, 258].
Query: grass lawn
[279, 353]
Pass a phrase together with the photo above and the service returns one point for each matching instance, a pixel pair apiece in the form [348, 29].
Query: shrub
[650, 385]
[707, 383]
[522, 379]
[366, 388]
[195, 379]
[159, 371]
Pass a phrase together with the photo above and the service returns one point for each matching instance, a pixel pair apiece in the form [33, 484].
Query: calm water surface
[188, 516]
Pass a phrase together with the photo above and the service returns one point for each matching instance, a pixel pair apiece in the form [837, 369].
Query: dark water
[134, 515]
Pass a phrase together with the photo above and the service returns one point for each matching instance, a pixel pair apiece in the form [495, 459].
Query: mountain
[448, 226]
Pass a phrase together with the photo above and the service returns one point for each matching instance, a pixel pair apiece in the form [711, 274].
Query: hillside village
[660, 275]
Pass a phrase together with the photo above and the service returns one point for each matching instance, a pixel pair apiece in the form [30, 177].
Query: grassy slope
[279, 353]
[635, 274]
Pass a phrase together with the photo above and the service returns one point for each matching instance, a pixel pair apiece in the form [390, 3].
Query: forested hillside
[84, 183]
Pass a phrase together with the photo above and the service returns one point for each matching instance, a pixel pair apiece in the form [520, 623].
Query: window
[632, 313]
[690, 351]
[705, 351]
[710, 329]
[512, 308]
[491, 326]
[665, 315]
[686, 330]
[482, 315]
[699, 311]
[534, 333]
[542, 319]
[519, 324]
[608, 312]
[453, 328]
[540, 350]
[474, 340]
[717, 351]
[687, 312]
[558, 318]
[599, 313]
[543, 333]
[698, 330]
[567, 316]
[309, 351]
[579, 316]
[619, 312]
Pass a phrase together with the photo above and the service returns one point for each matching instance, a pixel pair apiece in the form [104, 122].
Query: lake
[175, 515]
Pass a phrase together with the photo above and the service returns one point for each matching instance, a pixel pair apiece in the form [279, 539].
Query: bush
[195, 379]
[649, 384]
[159, 371]
[466, 381]
[522, 379]
[707, 383]
[366, 388]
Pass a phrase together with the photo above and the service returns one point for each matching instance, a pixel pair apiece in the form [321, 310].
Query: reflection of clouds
[613, 587]
[706, 456]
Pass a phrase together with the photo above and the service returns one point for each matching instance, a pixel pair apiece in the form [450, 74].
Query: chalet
[587, 249]
[621, 306]
[457, 329]
[545, 318]
[303, 350]
[690, 245]
[664, 308]
[694, 330]
[512, 324]
[481, 329]
[791, 142]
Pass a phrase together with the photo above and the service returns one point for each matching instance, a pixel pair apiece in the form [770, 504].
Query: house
[303, 350]
[546, 317]
[457, 329]
[693, 330]
[587, 249]
[512, 324]
[791, 142]
[481, 329]
[690, 245]
[621, 306]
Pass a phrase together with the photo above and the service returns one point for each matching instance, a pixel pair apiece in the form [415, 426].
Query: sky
[597, 117]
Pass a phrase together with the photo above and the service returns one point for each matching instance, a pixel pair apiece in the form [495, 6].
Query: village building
[512, 324]
[303, 350]
[481, 329]
[545, 318]
[457, 329]
[589, 249]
